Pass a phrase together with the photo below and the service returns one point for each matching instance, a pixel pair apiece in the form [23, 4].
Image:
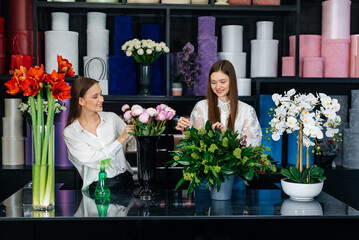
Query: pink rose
[144, 117]
[161, 116]
[136, 110]
[127, 115]
[170, 114]
[151, 111]
[161, 107]
[125, 107]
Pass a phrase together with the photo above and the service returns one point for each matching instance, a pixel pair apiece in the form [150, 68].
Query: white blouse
[86, 150]
[246, 123]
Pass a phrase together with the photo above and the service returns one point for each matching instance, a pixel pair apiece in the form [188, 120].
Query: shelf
[305, 80]
[114, 6]
[164, 99]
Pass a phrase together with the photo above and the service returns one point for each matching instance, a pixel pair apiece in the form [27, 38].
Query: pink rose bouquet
[150, 121]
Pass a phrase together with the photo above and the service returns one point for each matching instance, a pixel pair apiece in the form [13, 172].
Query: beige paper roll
[12, 127]
[11, 105]
[12, 151]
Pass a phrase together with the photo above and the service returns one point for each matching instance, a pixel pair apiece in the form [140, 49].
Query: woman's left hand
[220, 126]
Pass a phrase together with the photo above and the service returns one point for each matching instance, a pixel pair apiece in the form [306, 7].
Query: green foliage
[313, 174]
[211, 155]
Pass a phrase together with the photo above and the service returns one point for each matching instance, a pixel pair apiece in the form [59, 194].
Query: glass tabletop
[176, 204]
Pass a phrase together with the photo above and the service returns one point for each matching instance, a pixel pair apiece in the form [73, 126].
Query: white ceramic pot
[301, 191]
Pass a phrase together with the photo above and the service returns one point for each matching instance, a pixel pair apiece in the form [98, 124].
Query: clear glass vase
[43, 168]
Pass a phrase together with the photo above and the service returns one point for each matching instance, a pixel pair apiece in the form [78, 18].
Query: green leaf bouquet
[209, 156]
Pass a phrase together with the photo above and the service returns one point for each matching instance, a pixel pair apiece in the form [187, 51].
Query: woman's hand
[182, 124]
[125, 135]
[220, 126]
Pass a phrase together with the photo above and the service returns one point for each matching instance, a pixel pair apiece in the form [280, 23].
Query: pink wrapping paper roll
[336, 57]
[288, 66]
[309, 46]
[353, 52]
[356, 67]
[336, 19]
[266, 2]
[313, 67]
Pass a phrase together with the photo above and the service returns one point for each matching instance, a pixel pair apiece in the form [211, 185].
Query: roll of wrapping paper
[158, 78]
[200, 87]
[264, 58]
[123, 33]
[265, 30]
[12, 151]
[336, 19]
[96, 20]
[98, 42]
[238, 60]
[353, 52]
[60, 21]
[207, 46]
[20, 15]
[122, 77]
[64, 43]
[244, 86]
[232, 38]
[206, 26]
[11, 109]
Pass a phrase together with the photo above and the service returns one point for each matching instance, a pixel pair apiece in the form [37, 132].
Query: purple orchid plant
[150, 121]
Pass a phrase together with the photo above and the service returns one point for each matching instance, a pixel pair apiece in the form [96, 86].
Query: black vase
[144, 78]
[146, 164]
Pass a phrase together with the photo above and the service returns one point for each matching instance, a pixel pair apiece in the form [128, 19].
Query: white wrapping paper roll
[264, 58]
[244, 86]
[104, 86]
[96, 67]
[64, 43]
[265, 30]
[232, 38]
[11, 109]
[60, 21]
[12, 127]
[12, 150]
[238, 60]
[96, 20]
[98, 42]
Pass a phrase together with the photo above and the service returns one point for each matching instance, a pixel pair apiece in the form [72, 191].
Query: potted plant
[212, 157]
[308, 115]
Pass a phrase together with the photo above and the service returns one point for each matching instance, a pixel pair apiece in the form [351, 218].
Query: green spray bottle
[102, 190]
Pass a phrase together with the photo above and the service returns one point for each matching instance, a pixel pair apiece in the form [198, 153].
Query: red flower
[61, 91]
[65, 66]
[55, 77]
[37, 73]
[13, 86]
[30, 87]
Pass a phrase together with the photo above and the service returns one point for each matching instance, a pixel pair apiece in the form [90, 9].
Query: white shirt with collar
[86, 150]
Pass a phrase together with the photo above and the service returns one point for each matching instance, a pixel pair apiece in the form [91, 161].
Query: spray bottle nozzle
[104, 162]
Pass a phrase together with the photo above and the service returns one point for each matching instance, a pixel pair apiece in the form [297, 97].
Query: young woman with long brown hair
[223, 108]
[92, 135]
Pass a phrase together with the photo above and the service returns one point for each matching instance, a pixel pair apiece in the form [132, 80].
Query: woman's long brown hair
[78, 89]
[213, 111]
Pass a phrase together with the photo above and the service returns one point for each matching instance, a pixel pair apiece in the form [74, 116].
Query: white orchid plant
[308, 114]
[145, 50]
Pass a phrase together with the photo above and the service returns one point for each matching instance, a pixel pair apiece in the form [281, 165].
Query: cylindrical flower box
[313, 67]
[288, 66]
[11, 109]
[351, 148]
[232, 38]
[60, 21]
[239, 2]
[244, 86]
[266, 2]
[336, 57]
[265, 30]
[96, 20]
[264, 58]
[336, 19]
[12, 126]
[13, 150]
[353, 52]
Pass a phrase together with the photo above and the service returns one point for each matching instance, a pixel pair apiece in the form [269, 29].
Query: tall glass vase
[146, 164]
[144, 78]
[43, 168]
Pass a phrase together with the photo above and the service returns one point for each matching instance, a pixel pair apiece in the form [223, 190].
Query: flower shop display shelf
[171, 210]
